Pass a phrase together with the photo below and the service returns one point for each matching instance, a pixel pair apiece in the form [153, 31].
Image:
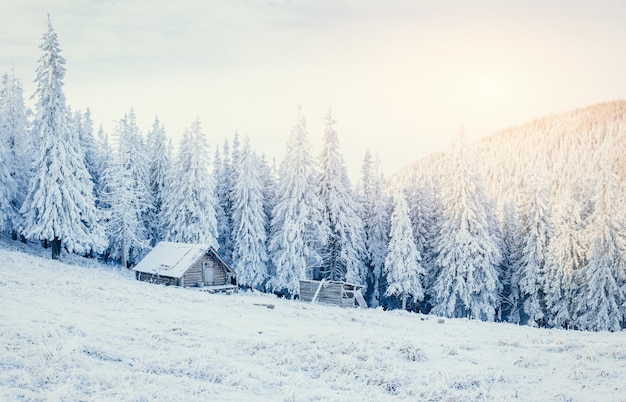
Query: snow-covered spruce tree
[8, 187]
[344, 248]
[421, 212]
[433, 189]
[140, 167]
[16, 158]
[60, 205]
[249, 222]
[296, 230]
[600, 300]
[403, 266]
[511, 238]
[223, 174]
[105, 156]
[375, 216]
[267, 175]
[125, 198]
[268, 186]
[188, 211]
[565, 259]
[468, 254]
[84, 127]
[529, 259]
[159, 166]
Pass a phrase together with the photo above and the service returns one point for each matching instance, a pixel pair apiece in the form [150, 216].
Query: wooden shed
[180, 264]
[332, 292]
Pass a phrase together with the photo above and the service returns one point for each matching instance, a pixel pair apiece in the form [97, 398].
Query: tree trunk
[56, 249]
[13, 234]
[403, 301]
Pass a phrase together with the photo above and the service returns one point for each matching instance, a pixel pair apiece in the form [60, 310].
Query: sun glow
[488, 90]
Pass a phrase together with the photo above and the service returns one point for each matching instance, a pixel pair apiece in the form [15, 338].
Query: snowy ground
[71, 332]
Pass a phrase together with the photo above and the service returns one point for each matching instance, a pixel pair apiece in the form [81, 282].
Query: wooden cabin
[191, 265]
[332, 292]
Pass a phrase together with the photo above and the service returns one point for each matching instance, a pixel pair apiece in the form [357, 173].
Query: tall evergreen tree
[8, 187]
[223, 174]
[345, 245]
[600, 300]
[60, 205]
[104, 159]
[375, 216]
[421, 213]
[403, 262]
[16, 153]
[468, 254]
[296, 230]
[189, 209]
[564, 261]
[530, 258]
[84, 126]
[511, 238]
[249, 222]
[223, 222]
[159, 159]
[125, 197]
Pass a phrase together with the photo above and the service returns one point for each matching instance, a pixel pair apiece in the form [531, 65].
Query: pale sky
[402, 77]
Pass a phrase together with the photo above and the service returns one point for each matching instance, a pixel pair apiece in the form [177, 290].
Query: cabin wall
[330, 293]
[193, 276]
[152, 278]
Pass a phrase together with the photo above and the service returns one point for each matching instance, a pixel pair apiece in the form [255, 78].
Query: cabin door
[207, 273]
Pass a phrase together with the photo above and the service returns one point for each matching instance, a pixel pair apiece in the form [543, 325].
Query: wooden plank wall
[164, 280]
[219, 274]
[331, 293]
[193, 276]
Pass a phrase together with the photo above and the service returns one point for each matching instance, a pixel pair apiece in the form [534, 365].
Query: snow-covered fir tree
[564, 261]
[267, 176]
[529, 259]
[188, 211]
[296, 230]
[468, 254]
[15, 153]
[140, 167]
[375, 215]
[84, 126]
[268, 186]
[104, 155]
[60, 205]
[223, 221]
[249, 222]
[223, 175]
[125, 198]
[8, 188]
[420, 195]
[599, 303]
[344, 248]
[403, 266]
[511, 239]
[159, 159]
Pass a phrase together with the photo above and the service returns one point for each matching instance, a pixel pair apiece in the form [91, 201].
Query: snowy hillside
[74, 332]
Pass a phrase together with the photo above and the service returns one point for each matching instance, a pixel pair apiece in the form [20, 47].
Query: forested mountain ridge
[564, 149]
[549, 197]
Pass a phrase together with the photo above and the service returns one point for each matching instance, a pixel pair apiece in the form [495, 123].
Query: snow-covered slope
[92, 333]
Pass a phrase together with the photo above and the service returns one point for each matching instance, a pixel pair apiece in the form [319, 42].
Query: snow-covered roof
[171, 259]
